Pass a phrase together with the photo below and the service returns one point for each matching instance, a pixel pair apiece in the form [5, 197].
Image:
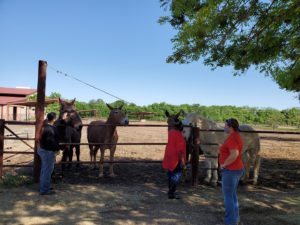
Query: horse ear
[167, 113]
[59, 100]
[73, 101]
[121, 107]
[111, 108]
[178, 114]
[183, 112]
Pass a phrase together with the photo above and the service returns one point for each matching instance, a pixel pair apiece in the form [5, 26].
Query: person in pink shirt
[175, 154]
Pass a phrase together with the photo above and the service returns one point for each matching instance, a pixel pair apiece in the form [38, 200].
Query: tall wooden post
[195, 155]
[39, 115]
[1, 146]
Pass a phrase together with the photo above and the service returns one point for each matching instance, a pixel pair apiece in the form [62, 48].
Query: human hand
[222, 166]
[182, 165]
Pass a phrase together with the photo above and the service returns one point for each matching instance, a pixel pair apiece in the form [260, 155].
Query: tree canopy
[240, 33]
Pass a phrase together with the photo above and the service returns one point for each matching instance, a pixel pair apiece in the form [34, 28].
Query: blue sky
[119, 47]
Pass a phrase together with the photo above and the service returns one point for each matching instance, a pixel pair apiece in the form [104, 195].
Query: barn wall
[22, 112]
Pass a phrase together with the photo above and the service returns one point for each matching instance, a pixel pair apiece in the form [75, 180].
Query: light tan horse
[106, 134]
[210, 142]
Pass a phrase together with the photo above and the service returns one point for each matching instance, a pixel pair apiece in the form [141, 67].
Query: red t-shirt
[176, 145]
[234, 141]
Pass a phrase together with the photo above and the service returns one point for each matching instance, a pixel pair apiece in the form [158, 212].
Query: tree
[240, 33]
[54, 95]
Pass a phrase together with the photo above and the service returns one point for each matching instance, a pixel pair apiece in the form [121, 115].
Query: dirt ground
[137, 195]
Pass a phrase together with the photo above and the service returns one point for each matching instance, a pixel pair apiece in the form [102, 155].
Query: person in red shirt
[175, 156]
[232, 170]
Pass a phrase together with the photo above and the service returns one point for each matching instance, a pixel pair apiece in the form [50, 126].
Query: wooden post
[1, 146]
[7, 112]
[39, 116]
[195, 156]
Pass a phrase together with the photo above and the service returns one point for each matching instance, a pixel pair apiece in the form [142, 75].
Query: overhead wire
[92, 86]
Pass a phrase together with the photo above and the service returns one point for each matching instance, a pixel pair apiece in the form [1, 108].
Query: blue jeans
[174, 176]
[230, 181]
[48, 159]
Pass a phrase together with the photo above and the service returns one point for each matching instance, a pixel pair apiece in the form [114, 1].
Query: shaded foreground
[138, 195]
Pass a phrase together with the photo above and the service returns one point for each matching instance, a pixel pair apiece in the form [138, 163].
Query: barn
[9, 99]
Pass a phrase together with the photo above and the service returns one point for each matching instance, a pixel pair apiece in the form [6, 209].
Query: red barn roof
[17, 91]
[4, 100]
[8, 95]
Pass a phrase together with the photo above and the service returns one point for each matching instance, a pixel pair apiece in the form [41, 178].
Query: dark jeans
[230, 181]
[174, 176]
[48, 159]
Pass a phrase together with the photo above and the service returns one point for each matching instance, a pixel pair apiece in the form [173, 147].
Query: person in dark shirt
[48, 147]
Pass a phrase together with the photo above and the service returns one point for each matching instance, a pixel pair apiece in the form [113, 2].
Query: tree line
[245, 115]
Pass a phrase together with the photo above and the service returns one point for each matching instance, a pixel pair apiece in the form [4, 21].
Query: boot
[172, 194]
[176, 195]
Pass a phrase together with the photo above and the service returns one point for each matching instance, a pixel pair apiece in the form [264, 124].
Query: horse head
[69, 115]
[117, 116]
[190, 119]
[173, 120]
[66, 106]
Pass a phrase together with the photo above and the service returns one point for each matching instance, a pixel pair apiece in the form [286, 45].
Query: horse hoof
[112, 175]
[100, 176]
[214, 185]
[206, 182]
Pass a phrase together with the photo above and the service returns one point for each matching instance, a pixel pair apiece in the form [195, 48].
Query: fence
[194, 158]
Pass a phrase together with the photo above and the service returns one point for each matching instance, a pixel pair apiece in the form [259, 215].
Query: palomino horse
[210, 142]
[106, 132]
[69, 126]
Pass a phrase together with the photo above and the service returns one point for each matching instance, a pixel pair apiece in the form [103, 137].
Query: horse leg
[70, 157]
[64, 159]
[256, 169]
[208, 170]
[101, 162]
[246, 162]
[111, 165]
[92, 166]
[214, 171]
[96, 148]
[77, 155]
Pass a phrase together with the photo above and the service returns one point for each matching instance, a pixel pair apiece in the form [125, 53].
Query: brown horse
[105, 134]
[69, 126]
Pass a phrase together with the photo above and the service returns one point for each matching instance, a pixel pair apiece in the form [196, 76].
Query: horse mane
[205, 123]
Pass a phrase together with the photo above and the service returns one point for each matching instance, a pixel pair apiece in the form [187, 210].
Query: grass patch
[15, 180]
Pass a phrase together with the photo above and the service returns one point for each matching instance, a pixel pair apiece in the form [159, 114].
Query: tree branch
[268, 24]
[264, 13]
[240, 18]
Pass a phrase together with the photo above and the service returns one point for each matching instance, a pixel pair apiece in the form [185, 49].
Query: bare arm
[182, 164]
[234, 153]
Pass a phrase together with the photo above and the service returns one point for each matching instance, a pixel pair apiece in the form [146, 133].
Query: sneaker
[48, 193]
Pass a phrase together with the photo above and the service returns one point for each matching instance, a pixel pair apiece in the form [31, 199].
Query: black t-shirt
[49, 139]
